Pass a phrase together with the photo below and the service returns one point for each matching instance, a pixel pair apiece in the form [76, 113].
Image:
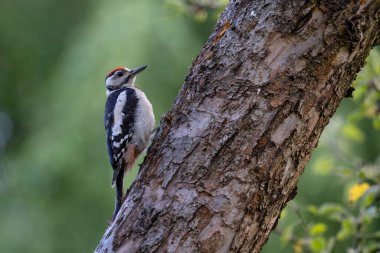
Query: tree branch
[228, 155]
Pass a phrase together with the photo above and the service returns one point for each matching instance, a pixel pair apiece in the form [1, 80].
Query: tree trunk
[228, 155]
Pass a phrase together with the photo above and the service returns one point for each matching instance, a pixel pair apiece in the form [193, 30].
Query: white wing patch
[118, 114]
[117, 144]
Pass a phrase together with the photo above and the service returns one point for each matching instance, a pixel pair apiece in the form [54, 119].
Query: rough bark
[228, 155]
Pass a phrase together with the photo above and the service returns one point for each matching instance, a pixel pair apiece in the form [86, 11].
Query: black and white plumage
[129, 123]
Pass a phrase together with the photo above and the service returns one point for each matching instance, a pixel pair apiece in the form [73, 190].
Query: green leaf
[318, 244]
[377, 234]
[283, 214]
[330, 208]
[368, 199]
[376, 122]
[324, 165]
[337, 217]
[347, 172]
[372, 247]
[362, 175]
[360, 91]
[355, 116]
[352, 132]
[312, 209]
[287, 234]
[347, 230]
[317, 229]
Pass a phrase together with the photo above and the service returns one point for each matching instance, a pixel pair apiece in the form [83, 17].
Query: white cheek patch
[108, 81]
[131, 81]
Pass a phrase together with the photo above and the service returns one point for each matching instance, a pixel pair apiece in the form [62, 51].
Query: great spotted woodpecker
[129, 123]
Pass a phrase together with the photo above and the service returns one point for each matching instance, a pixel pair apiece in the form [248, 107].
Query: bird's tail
[114, 177]
[119, 191]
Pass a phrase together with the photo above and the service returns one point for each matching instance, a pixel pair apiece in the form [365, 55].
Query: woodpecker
[129, 124]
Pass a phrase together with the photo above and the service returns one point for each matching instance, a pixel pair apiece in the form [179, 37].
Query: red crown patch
[114, 70]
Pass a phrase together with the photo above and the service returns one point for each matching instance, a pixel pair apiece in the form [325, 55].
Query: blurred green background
[55, 193]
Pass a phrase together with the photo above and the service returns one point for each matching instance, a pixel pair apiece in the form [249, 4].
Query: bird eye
[119, 73]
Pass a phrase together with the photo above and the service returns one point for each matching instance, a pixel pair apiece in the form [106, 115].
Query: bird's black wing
[119, 136]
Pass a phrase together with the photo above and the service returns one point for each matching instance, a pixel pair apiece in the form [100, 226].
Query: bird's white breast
[144, 121]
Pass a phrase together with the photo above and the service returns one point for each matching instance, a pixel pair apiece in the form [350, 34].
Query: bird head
[121, 77]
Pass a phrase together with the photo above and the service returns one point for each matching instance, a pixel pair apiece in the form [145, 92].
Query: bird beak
[137, 70]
